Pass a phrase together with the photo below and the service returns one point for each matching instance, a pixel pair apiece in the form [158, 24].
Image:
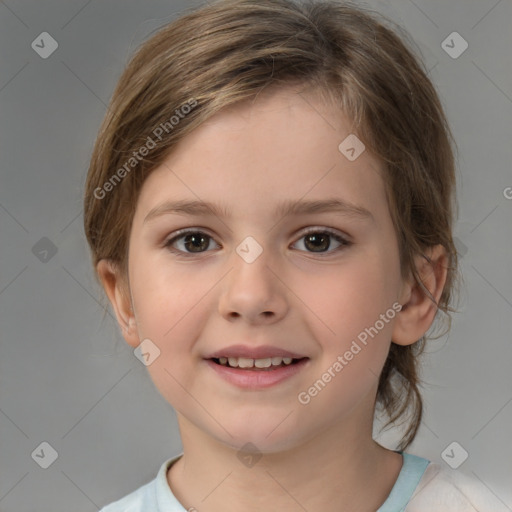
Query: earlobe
[418, 309]
[115, 288]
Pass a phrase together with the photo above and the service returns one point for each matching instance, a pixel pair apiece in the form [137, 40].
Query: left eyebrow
[284, 209]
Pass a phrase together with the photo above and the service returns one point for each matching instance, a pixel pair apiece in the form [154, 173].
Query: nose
[253, 292]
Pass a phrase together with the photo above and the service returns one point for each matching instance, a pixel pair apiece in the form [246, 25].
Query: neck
[329, 472]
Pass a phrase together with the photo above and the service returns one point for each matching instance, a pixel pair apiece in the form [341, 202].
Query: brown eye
[320, 241]
[317, 242]
[190, 242]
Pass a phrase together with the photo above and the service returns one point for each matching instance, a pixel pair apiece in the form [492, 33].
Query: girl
[269, 207]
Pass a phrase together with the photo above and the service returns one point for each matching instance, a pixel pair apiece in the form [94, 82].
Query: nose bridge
[252, 289]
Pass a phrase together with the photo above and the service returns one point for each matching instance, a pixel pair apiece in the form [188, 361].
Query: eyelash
[183, 232]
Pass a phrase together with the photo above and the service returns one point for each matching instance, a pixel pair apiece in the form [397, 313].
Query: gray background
[68, 378]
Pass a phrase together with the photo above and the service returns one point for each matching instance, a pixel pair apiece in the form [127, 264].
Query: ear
[117, 291]
[418, 310]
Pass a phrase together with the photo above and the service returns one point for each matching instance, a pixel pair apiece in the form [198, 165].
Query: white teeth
[263, 363]
[246, 362]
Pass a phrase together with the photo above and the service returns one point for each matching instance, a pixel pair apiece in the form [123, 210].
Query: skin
[284, 145]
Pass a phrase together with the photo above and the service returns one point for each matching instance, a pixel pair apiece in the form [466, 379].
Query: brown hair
[228, 51]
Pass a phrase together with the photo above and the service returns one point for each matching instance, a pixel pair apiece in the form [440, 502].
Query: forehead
[282, 145]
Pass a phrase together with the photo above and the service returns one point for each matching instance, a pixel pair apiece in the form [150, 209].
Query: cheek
[174, 330]
[169, 310]
[170, 316]
[344, 300]
[351, 318]
[164, 293]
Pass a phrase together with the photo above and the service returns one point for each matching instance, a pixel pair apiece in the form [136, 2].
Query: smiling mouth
[265, 364]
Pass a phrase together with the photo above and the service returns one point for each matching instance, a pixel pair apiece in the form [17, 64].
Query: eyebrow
[284, 209]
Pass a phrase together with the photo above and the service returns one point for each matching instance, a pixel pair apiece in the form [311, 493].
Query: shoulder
[154, 495]
[137, 501]
[441, 488]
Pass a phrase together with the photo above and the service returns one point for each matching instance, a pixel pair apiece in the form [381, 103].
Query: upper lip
[261, 352]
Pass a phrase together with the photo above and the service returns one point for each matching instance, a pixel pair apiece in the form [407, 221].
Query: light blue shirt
[156, 496]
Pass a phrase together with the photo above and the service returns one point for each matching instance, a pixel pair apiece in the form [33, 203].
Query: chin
[264, 435]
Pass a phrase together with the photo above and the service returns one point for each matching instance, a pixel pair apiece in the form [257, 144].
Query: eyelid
[184, 231]
[325, 229]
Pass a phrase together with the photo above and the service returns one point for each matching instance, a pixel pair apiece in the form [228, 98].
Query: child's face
[300, 294]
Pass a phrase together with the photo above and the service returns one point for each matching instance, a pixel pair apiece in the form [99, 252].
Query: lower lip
[257, 379]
